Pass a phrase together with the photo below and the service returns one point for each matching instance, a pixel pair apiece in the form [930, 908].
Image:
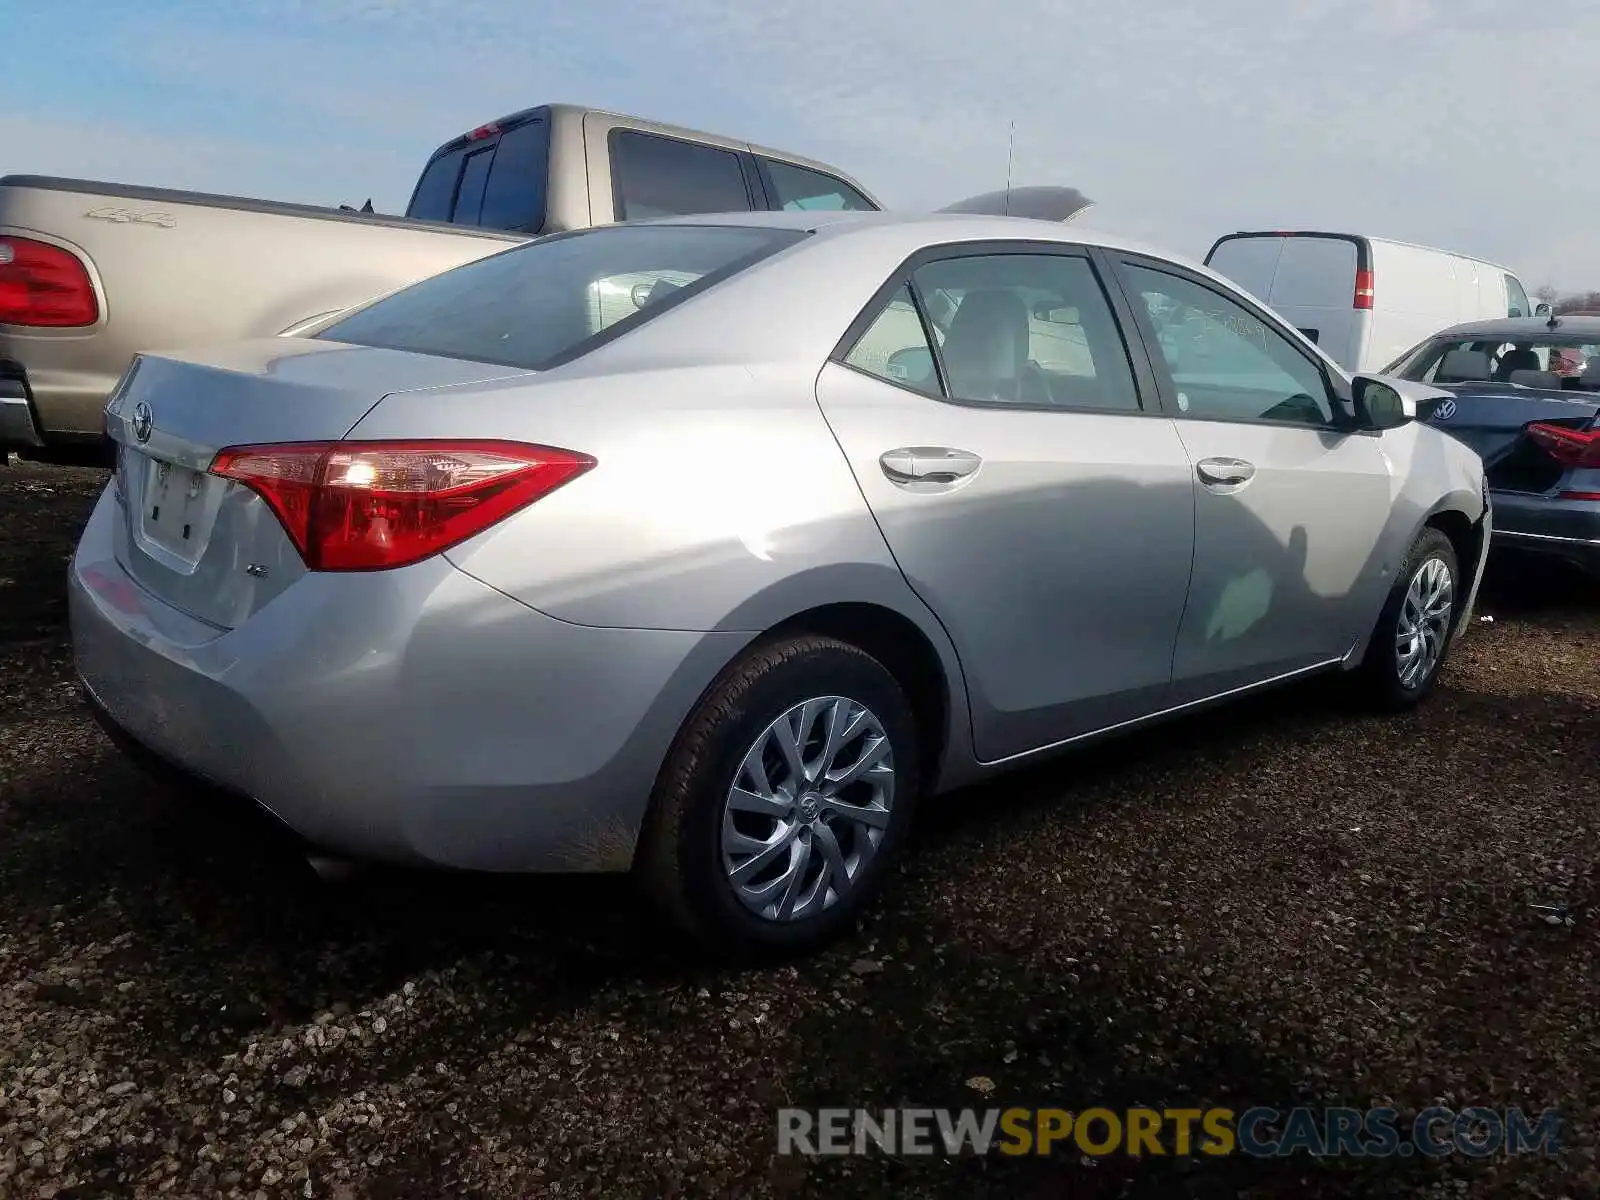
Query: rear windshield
[498, 183]
[550, 301]
[1493, 359]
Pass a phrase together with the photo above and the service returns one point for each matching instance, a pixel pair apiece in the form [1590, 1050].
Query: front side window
[1227, 364]
[655, 176]
[799, 189]
[549, 301]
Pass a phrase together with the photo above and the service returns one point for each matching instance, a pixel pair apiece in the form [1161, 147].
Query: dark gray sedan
[1525, 394]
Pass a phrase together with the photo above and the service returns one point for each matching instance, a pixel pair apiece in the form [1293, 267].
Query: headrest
[1518, 359]
[1463, 366]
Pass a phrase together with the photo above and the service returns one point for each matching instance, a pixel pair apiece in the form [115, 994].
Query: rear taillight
[1568, 446]
[1363, 289]
[44, 285]
[368, 506]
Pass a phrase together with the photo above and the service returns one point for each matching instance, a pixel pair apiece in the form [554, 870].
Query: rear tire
[1412, 637]
[749, 858]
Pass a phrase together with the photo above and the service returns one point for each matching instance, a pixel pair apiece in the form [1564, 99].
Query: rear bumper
[1568, 529]
[19, 425]
[415, 716]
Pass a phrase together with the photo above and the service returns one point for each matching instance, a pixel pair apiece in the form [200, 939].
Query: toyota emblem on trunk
[144, 422]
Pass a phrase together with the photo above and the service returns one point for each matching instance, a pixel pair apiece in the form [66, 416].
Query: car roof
[936, 228]
[1568, 328]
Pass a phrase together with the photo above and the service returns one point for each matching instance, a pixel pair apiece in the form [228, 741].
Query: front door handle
[928, 464]
[1224, 472]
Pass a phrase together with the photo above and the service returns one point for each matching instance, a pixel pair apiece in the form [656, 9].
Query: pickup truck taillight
[370, 506]
[44, 285]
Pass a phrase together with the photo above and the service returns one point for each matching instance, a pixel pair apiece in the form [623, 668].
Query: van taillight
[44, 285]
[1363, 289]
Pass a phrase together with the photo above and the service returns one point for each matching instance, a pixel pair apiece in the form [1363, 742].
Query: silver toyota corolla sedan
[702, 548]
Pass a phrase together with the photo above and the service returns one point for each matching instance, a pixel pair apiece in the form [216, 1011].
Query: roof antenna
[1011, 148]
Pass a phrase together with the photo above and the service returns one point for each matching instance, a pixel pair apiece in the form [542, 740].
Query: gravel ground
[1275, 904]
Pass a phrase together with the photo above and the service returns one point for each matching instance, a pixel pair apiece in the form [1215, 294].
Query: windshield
[550, 301]
[1495, 360]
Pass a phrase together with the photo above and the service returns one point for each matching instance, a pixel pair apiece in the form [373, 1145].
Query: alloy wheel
[808, 808]
[1423, 626]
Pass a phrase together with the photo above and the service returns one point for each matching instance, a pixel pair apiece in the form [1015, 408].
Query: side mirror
[1380, 405]
[913, 365]
[1542, 309]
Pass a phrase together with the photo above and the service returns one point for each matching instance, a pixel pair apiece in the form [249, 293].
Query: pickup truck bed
[93, 273]
[159, 261]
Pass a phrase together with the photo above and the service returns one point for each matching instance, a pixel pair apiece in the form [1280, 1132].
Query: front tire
[784, 800]
[1413, 633]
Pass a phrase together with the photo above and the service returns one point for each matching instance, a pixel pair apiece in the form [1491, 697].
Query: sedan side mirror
[1380, 405]
[1542, 310]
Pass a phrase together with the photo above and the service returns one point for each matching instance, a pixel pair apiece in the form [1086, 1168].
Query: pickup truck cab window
[496, 182]
[656, 176]
[469, 196]
[435, 197]
[514, 196]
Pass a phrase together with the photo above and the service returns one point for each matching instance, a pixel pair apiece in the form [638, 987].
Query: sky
[1413, 119]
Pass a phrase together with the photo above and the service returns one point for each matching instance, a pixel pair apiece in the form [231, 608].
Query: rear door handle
[1224, 472]
[928, 464]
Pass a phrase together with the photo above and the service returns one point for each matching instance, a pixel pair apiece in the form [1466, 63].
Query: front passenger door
[1290, 501]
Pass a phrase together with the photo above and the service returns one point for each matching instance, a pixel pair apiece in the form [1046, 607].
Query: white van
[1366, 300]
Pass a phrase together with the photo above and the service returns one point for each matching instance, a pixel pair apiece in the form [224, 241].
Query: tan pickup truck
[91, 273]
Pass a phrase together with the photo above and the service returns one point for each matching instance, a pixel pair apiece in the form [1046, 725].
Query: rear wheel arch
[894, 640]
[905, 651]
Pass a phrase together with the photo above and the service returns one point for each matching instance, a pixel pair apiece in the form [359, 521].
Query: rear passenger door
[1026, 481]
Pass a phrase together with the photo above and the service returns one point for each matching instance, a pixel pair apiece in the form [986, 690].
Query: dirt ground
[1280, 903]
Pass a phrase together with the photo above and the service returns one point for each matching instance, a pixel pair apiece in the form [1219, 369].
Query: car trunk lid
[207, 545]
[1493, 419]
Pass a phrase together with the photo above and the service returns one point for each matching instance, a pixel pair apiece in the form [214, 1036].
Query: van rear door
[1315, 290]
[1309, 278]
